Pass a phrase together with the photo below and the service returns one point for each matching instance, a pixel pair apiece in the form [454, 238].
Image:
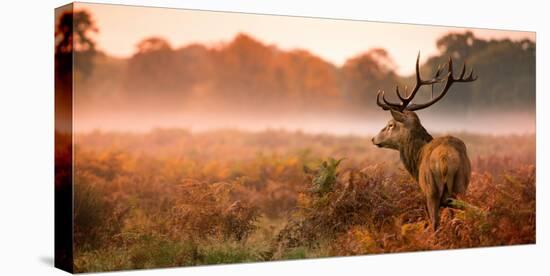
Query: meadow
[172, 197]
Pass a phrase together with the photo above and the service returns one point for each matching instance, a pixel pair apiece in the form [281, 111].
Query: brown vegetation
[171, 198]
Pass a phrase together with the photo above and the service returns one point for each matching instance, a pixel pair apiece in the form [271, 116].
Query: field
[172, 197]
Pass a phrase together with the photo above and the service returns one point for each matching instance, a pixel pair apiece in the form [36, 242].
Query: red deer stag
[440, 165]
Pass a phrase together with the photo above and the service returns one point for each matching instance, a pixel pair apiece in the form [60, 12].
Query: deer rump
[444, 172]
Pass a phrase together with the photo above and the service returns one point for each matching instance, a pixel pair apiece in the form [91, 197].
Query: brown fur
[441, 165]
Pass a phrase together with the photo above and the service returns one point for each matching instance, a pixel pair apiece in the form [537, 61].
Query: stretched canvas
[189, 137]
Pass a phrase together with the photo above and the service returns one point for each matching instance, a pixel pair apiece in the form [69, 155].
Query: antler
[406, 100]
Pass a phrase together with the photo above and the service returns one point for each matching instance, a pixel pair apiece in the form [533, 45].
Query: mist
[314, 123]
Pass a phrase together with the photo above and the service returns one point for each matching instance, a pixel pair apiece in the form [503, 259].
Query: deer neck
[411, 149]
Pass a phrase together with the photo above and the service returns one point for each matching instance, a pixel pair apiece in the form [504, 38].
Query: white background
[26, 137]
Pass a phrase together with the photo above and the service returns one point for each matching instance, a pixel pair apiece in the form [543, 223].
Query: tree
[506, 71]
[72, 36]
[364, 74]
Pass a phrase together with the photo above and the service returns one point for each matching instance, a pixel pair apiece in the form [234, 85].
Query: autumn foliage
[173, 197]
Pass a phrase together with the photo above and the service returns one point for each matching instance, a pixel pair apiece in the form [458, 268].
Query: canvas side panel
[64, 138]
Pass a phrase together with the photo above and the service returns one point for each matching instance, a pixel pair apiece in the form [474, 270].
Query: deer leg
[433, 209]
[428, 181]
[445, 198]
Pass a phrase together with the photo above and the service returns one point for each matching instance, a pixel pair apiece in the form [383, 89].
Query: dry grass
[172, 198]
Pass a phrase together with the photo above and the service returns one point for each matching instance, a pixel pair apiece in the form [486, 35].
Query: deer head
[405, 126]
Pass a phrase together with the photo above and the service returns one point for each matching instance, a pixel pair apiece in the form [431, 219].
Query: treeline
[506, 71]
[246, 74]
[241, 74]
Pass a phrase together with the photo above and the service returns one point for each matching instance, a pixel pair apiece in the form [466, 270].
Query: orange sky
[122, 27]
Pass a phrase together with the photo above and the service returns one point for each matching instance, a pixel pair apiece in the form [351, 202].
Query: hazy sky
[122, 27]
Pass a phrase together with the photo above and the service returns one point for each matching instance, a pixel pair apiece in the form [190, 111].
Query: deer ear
[398, 116]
